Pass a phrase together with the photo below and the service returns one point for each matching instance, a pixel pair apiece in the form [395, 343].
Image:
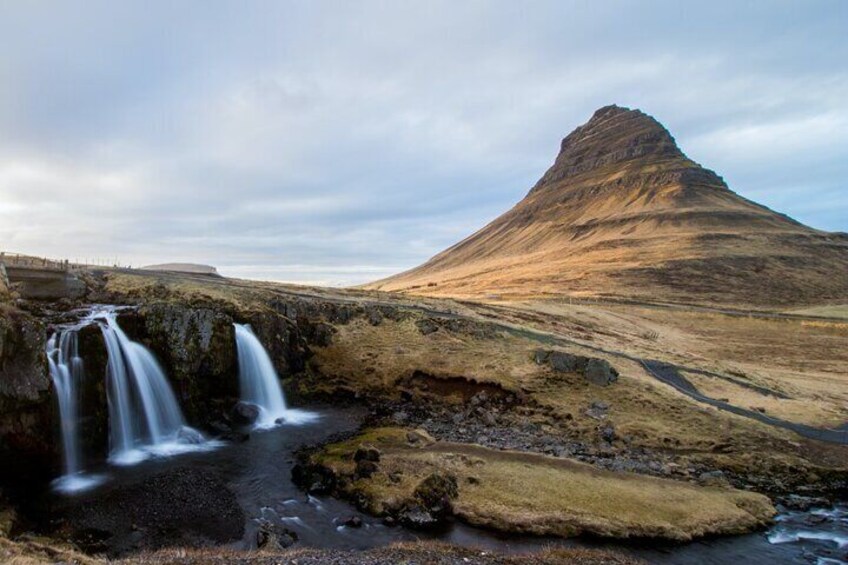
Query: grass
[832, 311]
[520, 492]
[807, 363]
[376, 359]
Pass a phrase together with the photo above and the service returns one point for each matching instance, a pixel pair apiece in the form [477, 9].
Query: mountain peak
[624, 213]
[613, 135]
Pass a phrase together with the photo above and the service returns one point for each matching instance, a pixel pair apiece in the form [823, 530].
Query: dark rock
[400, 417]
[322, 334]
[597, 410]
[488, 419]
[418, 518]
[219, 428]
[196, 346]
[26, 402]
[712, 478]
[244, 413]
[390, 521]
[540, 356]
[608, 433]
[427, 326]
[804, 503]
[375, 317]
[367, 453]
[600, 372]
[436, 492]
[365, 469]
[314, 479]
[274, 536]
[479, 398]
[353, 522]
[566, 363]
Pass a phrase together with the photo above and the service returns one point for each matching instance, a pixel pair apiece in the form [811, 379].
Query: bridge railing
[28, 262]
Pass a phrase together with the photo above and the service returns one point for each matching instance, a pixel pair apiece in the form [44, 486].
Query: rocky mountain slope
[623, 213]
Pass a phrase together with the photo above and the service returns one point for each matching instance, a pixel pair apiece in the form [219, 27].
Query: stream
[258, 471]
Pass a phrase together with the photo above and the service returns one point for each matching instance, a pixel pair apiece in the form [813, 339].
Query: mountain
[190, 268]
[623, 213]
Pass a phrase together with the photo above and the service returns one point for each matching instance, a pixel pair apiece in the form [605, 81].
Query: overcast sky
[339, 142]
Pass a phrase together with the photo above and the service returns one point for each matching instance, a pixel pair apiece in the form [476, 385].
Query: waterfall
[260, 384]
[67, 373]
[144, 417]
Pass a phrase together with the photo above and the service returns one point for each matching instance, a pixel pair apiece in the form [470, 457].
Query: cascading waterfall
[67, 373]
[260, 384]
[144, 417]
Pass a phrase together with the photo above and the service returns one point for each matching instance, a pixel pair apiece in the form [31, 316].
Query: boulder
[367, 453]
[713, 479]
[365, 469]
[566, 363]
[353, 522]
[313, 478]
[190, 436]
[274, 536]
[431, 502]
[600, 372]
[540, 356]
[244, 413]
[436, 492]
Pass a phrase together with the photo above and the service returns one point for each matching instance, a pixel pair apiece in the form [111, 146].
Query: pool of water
[258, 471]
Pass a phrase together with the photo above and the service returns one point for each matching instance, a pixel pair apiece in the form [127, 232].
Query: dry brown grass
[520, 492]
[803, 359]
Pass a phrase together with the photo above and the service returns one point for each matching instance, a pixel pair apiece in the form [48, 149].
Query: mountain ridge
[623, 212]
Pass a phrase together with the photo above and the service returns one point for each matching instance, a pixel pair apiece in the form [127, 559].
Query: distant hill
[184, 268]
[623, 213]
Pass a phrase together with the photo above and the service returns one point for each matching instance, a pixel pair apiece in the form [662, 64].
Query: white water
[144, 417]
[260, 384]
[822, 526]
[67, 373]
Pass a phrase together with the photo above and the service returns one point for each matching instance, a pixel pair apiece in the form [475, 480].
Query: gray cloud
[337, 142]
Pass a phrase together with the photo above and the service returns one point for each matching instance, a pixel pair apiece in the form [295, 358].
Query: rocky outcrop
[26, 407]
[196, 345]
[594, 370]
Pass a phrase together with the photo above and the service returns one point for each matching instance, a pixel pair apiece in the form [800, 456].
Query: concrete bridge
[40, 279]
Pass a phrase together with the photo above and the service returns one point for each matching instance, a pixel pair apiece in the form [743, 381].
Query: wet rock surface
[270, 536]
[244, 413]
[26, 404]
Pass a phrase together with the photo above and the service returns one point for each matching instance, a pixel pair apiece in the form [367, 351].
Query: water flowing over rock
[143, 413]
[259, 382]
[67, 373]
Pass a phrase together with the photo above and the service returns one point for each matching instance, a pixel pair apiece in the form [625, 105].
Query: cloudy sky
[339, 142]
